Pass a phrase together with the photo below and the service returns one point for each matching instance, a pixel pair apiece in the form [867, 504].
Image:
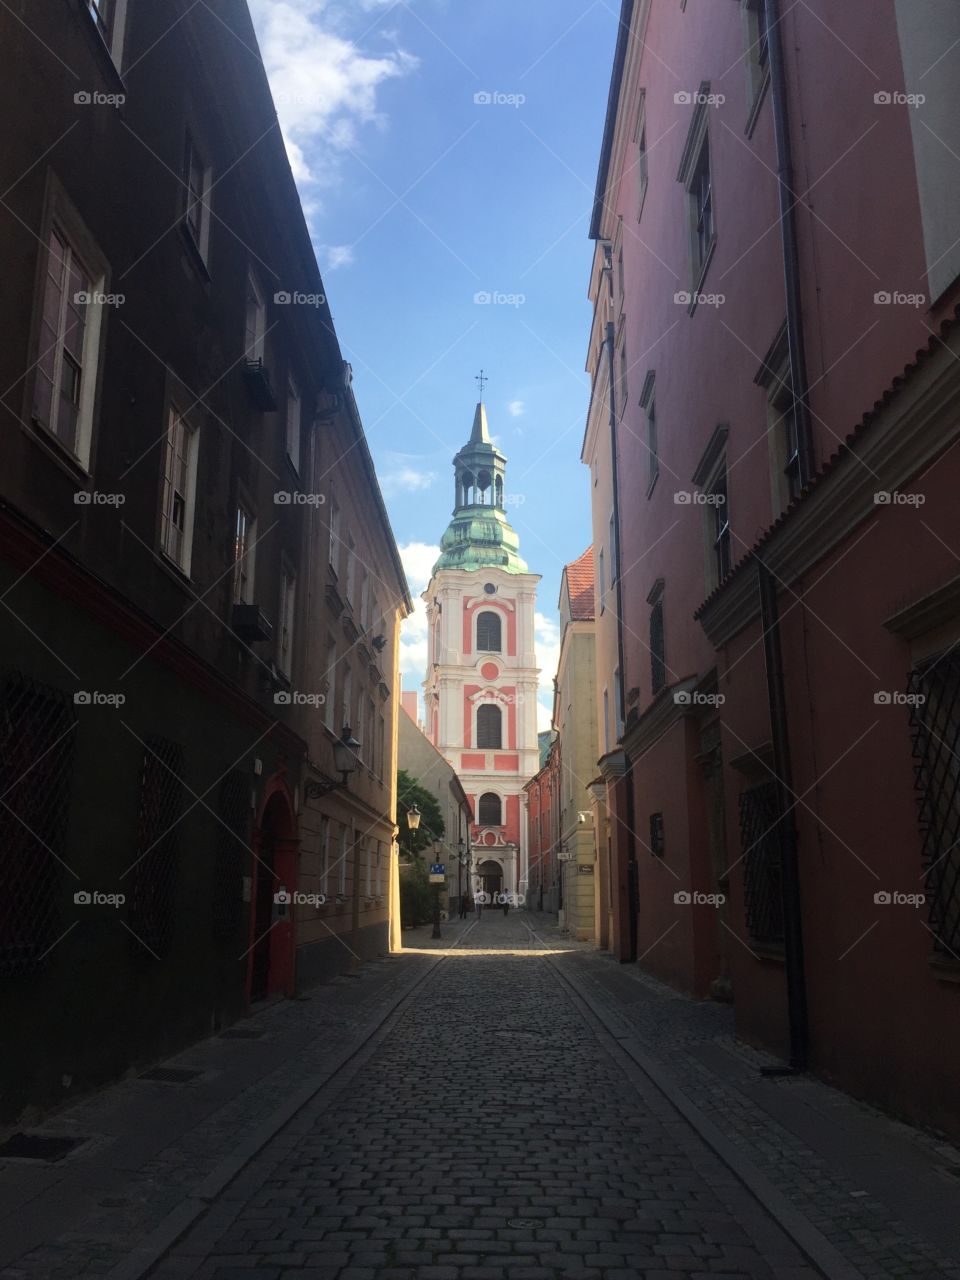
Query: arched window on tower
[498, 486]
[488, 632]
[489, 810]
[489, 727]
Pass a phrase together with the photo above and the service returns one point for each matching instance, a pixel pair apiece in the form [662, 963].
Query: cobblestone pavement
[490, 1135]
[493, 1123]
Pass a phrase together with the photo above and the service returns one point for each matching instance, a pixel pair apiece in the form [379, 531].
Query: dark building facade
[173, 392]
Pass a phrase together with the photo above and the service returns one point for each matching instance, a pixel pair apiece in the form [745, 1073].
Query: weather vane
[481, 381]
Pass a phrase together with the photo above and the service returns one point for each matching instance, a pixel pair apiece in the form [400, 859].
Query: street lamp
[345, 754]
[413, 817]
[437, 850]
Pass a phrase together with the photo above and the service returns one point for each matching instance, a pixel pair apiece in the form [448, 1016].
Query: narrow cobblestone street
[502, 1105]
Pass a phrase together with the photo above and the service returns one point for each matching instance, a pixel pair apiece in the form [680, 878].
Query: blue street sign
[437, 869]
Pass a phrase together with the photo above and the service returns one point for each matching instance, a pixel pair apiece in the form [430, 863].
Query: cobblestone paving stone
[491, 1136]
[330, 1016]
[671, 1027]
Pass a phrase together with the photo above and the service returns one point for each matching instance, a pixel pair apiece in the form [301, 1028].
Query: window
[330, 697]
[369, 737]
[381, 747]
[606, 722]
[333, 551]
[617, 702]
[656, 834]
[288, 594]
[488, 632]
[758, 51]
[351, 569]
[648, 402]
[696, 175]
[109, 17]
[364, 598]
[489, 810]
[621, 283]
[641, 140]
[658, 663]
[368, 860]
[179, 490]
[489, 727]
[378, 890]
[324, 852]
[718, 516]
[782, 414]
[936, 750]
[760, 844]
[346, 715]
[244, 540]
[196, 179]
[66, 375]
[601, 582]
[613, 549]
[256, 319]
[701, 192]
[342, 877]
[293, 422]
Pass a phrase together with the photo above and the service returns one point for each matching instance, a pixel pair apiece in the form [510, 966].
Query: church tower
[480, 694]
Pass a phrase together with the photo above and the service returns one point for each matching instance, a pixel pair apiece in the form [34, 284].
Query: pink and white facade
[480, 693]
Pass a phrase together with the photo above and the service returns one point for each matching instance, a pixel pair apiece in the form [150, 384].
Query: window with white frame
[256, 320]
[324, 852]
[640, 139]
[196, 181]
[489, 632]
[756, 39]
[378, 889]
[381, 746]
[368, 858]
[330, 697]
[286, 616]
[489, 727]
[243, 560]
[648, 402]
[293, 422]
[66, 370]
[333, 550]
[346, 710]
[364, 597]
[179, 490]
[718, 523]
[697, 177]
[783, 436]
[109, 16]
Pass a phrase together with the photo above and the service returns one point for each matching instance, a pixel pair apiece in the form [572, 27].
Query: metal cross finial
[481, 381]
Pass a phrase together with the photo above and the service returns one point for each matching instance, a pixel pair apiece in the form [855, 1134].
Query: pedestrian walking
[506, 902]
[464, 906]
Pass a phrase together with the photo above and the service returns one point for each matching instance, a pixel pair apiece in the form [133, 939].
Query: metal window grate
[658, 662]
[154, 887]
[936, 748]
[762, 883]
[37, 744]
[232, 842]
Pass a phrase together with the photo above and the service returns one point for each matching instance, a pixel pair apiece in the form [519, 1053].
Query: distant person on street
[464, 906]
[506, 903]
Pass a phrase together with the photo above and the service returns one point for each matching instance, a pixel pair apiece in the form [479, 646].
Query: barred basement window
[154, 877]
[37, 743]
[760, 843]
[936, 748]
[233, 831]
[656, 834]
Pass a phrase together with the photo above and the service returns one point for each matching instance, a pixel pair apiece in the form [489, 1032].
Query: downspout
[769, 616]
[788, 237]
[632, 886]
[786, 823]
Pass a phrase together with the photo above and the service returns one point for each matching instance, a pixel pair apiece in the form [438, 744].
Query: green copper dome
[479, 535]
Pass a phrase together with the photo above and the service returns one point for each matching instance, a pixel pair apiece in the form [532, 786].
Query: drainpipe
[632, 885]
[786, 822]
[788, 238]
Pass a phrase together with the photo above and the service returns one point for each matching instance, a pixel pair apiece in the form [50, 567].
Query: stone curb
[811, 1242]
[175, 1225]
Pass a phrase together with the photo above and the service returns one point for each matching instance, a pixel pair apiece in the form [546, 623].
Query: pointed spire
[480, 433]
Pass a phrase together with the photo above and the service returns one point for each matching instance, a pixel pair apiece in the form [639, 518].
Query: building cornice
[661, 715]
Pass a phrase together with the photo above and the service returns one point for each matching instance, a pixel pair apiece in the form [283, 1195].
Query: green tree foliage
[416, 895]
[409, 793]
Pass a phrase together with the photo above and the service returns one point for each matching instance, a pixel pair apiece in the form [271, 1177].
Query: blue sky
[419, 198]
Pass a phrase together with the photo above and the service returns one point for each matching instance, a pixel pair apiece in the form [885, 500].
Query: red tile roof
[580, 586]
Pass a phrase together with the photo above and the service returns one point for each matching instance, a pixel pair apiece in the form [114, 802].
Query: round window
[489, 588]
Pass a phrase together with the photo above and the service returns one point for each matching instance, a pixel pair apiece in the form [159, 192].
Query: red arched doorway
[270, 968]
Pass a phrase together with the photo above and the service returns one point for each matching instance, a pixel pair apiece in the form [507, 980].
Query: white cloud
[338, 255]
[515, 408]
[547, 640]
[324, 87]
[404, 478]
[418, 559]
